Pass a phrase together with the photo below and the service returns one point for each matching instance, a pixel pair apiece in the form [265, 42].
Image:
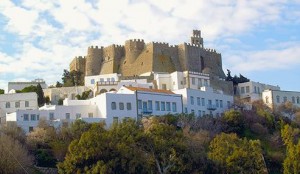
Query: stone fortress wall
[136, 57]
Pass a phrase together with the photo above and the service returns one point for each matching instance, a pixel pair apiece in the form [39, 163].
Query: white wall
[274, 98]
[200, 108]
[91, 81]
[21, 98]
[253, 90]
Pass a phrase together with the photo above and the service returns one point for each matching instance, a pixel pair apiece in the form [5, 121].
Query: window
[221, 103]
[199, 82]
[157, 106]
[193, 80]
[284, 99]
[203, 113]
[217, 103]
[164, 86]
[247, 89]
[91, 115]
[38, 117]
[203, 101]
[78, 115]
[185, 110]
[298, 100]
[242, 90]
[112, 79]
[51, 116]
[184, 80]
[163, 106]
[198, 101]
[17, 104]
[128, 106]
[115, 120]
[199, 113]
[26, 103]
[168, 104]
[267, 99]
[7, 105]
[32, 117]
[26, 117]
[193, 111]
[228, 104]
[121, 106]
[209, 102]
[140, 104]
[150, 105]
[113, 106]
[101, 79]
[205, 82]
[258, 90]
[92, 81]
[174, 107]
[293, 100]
[255, 89]
[278, 99]
[108, 79]
[192, 100]
[68, 116]
[30, 128]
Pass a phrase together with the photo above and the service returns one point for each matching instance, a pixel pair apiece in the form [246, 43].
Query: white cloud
[265, 60]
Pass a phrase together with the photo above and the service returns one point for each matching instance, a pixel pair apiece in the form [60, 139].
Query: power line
[14, 156]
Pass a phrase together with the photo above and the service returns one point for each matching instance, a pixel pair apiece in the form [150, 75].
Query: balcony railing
[211, 107]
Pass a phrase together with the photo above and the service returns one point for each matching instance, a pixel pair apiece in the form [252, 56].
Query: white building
[274, 98]
[17, 101]
[128, 102]
[154, 101]
[91, 81]
[180, 80]
[205, 101]
[22, 85]
[252, 91]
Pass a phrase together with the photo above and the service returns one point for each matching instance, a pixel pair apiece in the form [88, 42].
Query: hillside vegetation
[255, 141]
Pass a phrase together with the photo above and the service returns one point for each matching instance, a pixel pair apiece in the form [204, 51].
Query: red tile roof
[150, 90]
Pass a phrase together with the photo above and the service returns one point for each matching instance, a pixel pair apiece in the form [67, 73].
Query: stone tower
[94, 59]
[196, 38]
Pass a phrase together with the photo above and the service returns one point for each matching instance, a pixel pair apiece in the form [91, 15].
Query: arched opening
[112, 89]
[103, 91]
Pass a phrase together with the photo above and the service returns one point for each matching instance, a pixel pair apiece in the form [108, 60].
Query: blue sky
[259, 39]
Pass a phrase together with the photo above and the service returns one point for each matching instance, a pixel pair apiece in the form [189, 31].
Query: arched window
[103, 91]
[284, 99]
[267, 99]
[298, 100]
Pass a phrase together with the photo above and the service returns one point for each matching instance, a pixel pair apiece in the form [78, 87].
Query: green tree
[234, 121]
[1, 91]
[165, 147]
[291, 140]
[288, 109]
[106, 151]
[236, 155]
[73, 78]
[85, 95]
[40, 93]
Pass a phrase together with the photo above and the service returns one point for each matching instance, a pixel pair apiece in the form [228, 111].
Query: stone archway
[103, 91]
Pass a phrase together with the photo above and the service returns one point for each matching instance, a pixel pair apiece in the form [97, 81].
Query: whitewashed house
[17, 101]
[274, 98]
[252, 91]
[205, 101]
[154, 101]
[22, 85]
[180, 80]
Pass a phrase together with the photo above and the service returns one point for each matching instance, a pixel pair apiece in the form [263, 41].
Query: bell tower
[196, 38]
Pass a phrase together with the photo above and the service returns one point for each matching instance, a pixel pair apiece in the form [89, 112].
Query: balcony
[146, 112]
[211, 107]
